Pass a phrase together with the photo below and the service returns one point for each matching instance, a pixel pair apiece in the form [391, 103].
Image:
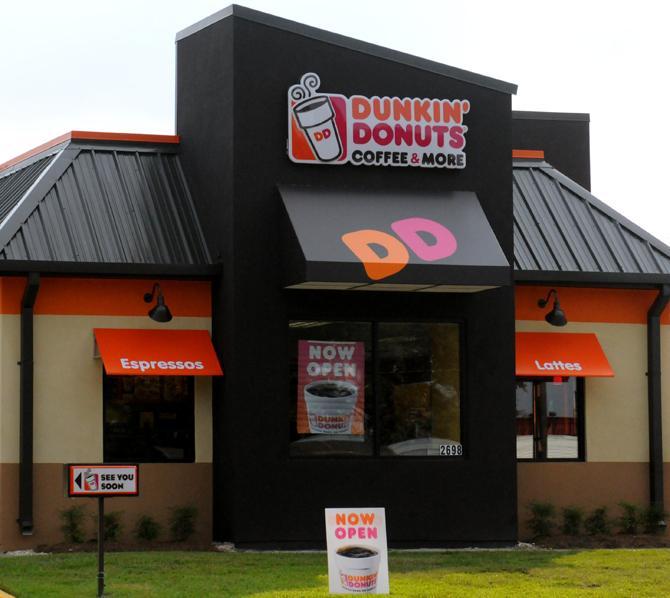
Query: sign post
[101, 481]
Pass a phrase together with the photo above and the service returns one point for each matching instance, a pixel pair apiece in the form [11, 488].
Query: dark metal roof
[562, 232]
[349, 43]
[14, 183]
[106, 203]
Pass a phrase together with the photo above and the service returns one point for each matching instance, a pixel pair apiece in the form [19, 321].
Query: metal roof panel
[560, 227]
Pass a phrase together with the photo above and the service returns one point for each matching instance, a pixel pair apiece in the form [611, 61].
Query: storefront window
[549, 419]
[148, 419]
[390, 389]
[419, 389]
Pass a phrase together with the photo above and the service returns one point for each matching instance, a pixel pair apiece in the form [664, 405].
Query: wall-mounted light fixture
[556, 317]
[159, 312]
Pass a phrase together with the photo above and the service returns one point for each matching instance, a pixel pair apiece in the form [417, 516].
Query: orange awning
[560, 354]
[157, 352]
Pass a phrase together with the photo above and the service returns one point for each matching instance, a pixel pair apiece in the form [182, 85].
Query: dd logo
[321, 135]
[429, 241]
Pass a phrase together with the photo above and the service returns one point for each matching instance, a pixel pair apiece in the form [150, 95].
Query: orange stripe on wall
[619, 306]
[106, 296]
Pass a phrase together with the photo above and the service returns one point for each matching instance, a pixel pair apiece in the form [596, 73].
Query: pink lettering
[361, 133]
[408, 230]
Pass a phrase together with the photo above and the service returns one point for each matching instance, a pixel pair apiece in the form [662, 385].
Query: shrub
[182, 522]
[572, 520]
[541, 519]
[653, 519]
[597, 522]
[113, 526]
[147, 528]
[630, 518]
[73, 524]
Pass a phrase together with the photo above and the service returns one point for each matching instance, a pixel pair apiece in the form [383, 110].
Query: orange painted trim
[528, 154]
[135, 137]
[91, 136]
[33, 152]
[614, 306]
[107, 296]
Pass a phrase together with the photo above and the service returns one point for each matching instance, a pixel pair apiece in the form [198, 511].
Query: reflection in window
[148, 419]
[547, 419]
[419, 388]
[331, 399]
[349, 377]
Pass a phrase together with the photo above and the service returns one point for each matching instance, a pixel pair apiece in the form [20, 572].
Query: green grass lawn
[496, 573]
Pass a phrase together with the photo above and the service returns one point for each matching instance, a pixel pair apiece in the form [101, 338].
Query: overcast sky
[109, 66]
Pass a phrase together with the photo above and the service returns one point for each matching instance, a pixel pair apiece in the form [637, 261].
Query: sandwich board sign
[103, 480]
[357, 552]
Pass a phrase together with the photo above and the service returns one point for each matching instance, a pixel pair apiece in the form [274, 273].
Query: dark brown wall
[587, 485]
[162, 486]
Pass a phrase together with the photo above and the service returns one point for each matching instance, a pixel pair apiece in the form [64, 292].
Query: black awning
[418, 241]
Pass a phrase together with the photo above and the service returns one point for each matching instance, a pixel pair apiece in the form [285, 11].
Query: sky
[104, 65]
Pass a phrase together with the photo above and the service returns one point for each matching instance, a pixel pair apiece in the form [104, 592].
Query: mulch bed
[92, 546]
[610, 541]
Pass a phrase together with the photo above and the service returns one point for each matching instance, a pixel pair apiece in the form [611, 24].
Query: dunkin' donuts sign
[329, 128]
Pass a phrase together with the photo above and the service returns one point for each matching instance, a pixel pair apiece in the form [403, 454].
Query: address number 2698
[451, 450]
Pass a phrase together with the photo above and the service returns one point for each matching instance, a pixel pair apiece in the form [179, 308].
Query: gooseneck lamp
[556, 317]
[159, 312]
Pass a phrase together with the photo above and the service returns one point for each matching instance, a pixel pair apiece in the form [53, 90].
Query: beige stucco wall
[68, 422]
[616, 408]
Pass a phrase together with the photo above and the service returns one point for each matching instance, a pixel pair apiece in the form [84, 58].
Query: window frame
[375, 382]
[191, 458]
[580, 391]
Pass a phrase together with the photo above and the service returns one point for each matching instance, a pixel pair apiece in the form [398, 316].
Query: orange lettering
[402, 109]
[360, 107]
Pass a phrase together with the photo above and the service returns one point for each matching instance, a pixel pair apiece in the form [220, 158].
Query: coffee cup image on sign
[316, 117]
[331, 405]
[90, 481]
[358, 567]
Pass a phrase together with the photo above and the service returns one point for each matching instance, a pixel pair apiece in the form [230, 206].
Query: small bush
[541, 520]
[73, 524]
[572, 521]
[147, 528]
[651, 517]
[182, 522]
[113, 526]
[597, 522]
[630, 518]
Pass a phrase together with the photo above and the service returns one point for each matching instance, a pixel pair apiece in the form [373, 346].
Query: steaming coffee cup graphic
[358, 567]
[316, 117]
[330, 406]
[90, 480]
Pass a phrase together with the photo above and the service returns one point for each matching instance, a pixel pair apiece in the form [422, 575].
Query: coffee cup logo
[316, 117]
[358, 568]
[90, 481]
[331, 406]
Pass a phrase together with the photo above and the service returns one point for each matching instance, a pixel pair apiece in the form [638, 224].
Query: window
[375, 388]
[148, 419]
[549, 419]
